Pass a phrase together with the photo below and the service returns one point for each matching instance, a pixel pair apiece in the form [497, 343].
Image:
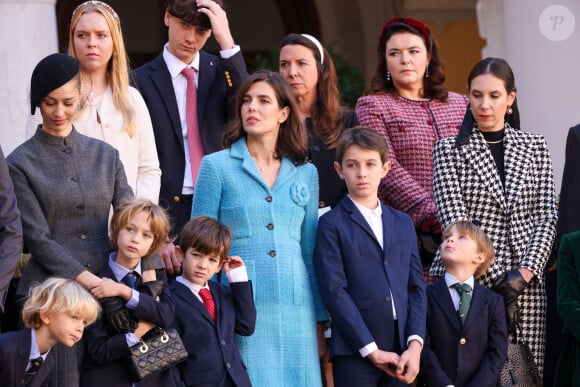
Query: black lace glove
[119, 319]
[510, 285]
[152, 288]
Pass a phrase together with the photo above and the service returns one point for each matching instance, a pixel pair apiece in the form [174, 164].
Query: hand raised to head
[233, 262]
[219, 22]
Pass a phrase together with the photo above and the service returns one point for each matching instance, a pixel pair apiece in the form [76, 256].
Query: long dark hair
[499, 68]
[327, 120]
[291, 141]
[432, 86]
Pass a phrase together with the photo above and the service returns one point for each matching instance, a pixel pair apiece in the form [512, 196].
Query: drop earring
[427, 72]
[388, 76]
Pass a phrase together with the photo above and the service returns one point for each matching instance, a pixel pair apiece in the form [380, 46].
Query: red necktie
[193, 137]
[205, 295]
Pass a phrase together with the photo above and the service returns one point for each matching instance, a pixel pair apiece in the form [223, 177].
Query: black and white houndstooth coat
[520, 219]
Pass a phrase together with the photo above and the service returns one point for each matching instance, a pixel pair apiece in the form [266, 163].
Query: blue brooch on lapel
[300, 193]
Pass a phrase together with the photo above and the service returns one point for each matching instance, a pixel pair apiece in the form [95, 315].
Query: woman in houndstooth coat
[501, 178]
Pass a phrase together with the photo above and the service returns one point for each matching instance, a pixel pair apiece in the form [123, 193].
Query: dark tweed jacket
[65, 187]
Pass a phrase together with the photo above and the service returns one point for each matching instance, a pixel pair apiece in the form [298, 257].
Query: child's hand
[106, 287]
[386, 361]
[408, 366]
[233, 262]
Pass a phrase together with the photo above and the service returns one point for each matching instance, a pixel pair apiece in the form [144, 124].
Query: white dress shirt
[175, 66]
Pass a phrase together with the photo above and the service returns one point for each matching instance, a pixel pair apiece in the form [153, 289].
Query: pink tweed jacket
[411, 129]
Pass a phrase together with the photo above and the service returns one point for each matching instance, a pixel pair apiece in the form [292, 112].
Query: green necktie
[464, 300]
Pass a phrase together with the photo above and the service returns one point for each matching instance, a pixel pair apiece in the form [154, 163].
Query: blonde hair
[158, 221]
[484, 244]
[118, 66]
[56, 296]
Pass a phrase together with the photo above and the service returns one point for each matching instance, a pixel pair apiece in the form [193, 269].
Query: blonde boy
[466, 342]
[56, 311]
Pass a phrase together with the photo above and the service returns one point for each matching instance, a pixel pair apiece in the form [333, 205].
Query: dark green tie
[464, 300]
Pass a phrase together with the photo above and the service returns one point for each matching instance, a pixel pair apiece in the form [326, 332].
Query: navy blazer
[106, 361]
[356, 279]
[212, 347]
[470, 356]
[219, 80]
[14, 357]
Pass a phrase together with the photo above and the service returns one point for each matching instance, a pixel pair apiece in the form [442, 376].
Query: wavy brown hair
[291, 141]
[433, 86]
[327, 117]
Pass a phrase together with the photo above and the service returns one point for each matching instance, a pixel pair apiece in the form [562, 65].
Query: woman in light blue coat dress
[262, 187]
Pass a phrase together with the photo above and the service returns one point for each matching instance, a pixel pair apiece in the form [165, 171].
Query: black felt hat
[49, 74]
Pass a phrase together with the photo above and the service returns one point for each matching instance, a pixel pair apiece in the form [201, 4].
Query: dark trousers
[349, 371]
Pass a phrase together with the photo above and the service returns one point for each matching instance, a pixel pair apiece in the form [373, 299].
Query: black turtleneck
[495, 142]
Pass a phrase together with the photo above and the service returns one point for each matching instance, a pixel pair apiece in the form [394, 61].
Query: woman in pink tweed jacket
[410, 107]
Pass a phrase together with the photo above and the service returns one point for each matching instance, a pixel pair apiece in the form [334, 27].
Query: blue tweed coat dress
[274, 231]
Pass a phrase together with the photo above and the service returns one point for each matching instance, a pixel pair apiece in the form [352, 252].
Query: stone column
[27, 34]
[540, 41]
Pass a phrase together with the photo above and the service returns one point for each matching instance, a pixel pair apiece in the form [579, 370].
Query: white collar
[378, 211]
[450, 280]
[195, 288]
[175, 66]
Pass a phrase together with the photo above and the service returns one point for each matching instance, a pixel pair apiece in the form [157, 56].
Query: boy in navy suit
[138, 228]
[209, 314]
[467, 338]
[369, 273]
[56, 311]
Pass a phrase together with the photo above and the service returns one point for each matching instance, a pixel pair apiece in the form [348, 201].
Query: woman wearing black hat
[65, 184]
